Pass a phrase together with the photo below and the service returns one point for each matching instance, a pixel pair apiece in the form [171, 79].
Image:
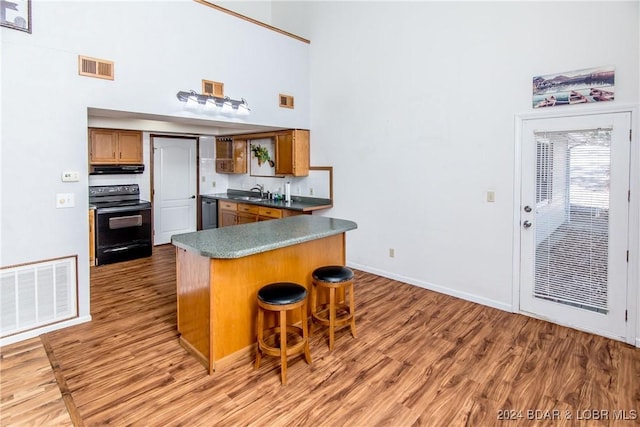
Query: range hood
[115, 169]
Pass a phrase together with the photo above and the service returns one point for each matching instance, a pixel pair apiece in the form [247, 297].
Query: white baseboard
[436, 288]
[43, 330]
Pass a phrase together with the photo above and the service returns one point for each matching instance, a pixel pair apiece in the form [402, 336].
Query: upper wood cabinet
[110, 146]
[292, 152]
[231, 155]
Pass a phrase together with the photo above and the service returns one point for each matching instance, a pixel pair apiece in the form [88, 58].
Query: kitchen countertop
[298, 203]
[248, 239]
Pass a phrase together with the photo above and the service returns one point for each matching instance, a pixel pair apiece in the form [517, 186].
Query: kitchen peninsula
[219, 272]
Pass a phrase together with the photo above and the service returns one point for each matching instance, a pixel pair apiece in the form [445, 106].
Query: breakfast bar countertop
[248, 239]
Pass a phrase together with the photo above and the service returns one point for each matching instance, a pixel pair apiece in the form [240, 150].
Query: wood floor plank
[420, 359]
[29, 393]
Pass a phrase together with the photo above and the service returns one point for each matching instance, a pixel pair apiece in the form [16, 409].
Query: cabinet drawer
[228, 206]
[246, 218]
[270, 212]
[252, 209]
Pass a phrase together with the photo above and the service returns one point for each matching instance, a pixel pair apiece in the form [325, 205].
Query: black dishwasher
[209, 212]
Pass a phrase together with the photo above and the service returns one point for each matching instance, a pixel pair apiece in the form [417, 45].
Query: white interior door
[574, 221]
[174, 187]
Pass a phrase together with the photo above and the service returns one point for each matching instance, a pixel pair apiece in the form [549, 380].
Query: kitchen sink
[247, 198]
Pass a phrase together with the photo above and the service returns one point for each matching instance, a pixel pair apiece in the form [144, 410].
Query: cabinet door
[284, 154]
[227, 213]
[246, 218]
[130, 147]
[227, 218]
[301, 153]
[223, 149]
[223, 166]
[247, 213]
[231, 156]
[104, 146]
[239, 156]
[292, 153]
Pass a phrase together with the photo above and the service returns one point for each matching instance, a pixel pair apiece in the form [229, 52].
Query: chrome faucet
[260, 188]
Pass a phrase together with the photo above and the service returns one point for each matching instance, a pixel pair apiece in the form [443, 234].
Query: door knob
[193, 197]
[527, 208]
[526, 224]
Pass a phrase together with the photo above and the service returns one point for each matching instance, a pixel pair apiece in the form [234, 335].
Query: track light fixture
[214, 104]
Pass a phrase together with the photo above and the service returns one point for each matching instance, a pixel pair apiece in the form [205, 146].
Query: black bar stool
[333, 278]
[279, 298]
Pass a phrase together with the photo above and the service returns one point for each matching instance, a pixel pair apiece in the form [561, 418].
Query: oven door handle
[125, 222]
[122, 248]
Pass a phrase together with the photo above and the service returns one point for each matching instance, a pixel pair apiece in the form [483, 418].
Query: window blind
[572, 229]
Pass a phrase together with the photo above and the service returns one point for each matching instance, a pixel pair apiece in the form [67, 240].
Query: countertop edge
[306, 206]
[312, 208]
[347, 225]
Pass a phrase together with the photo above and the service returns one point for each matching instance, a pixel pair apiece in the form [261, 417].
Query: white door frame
[632, 335]
[153, 171]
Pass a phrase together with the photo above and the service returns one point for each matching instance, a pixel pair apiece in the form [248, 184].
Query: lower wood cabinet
[230, 213]
[227, 213]
[265, 214]
[247, 213]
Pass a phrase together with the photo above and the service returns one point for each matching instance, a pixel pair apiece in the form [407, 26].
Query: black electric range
[123, 223]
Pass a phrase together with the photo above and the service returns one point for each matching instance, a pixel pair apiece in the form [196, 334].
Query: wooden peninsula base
[217, 283]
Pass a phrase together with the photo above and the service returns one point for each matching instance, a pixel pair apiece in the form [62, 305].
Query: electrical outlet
[491, 196]
[213, 183]
[311, 191]
[65, 200]
[392, 253]
[204, 179]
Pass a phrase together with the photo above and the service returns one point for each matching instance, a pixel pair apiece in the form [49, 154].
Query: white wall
[159, 48]
[413, 104]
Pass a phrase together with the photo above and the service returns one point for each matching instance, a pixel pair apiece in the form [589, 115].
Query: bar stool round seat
[337, 280]
[283, 340]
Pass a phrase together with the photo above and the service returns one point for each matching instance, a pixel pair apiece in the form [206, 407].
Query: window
[544, 172]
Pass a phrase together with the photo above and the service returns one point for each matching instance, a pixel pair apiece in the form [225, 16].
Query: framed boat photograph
[574, 87]
[16, 14]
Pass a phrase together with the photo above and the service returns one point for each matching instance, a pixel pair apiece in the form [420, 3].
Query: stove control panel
[113, 190]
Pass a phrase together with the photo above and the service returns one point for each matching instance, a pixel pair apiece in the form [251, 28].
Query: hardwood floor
[29, 393]
[421, 358]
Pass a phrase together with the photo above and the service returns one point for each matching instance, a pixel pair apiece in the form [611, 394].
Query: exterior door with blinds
[574, 221]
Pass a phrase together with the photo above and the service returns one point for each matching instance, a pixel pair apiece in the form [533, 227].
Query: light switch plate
[70, 176]
[491, 196]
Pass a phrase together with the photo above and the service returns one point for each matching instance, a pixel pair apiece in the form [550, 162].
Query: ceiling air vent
[93, 67]
[212, 88]
[286, 101]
